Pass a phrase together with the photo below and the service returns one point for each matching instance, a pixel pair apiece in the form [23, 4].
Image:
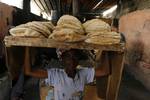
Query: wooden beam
[117, 60]
[26, 5]
[48, 5]
[75, 7]
[42, 2]
[39, 5]
[102, 61]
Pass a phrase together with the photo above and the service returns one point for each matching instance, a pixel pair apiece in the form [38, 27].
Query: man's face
[69, 60]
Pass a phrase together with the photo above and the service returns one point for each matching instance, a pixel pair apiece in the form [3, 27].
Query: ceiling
[85, 6]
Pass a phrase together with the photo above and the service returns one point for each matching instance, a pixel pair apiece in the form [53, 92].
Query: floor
[130, 89]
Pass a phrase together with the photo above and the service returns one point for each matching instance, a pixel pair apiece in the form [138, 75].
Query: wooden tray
[44, 42]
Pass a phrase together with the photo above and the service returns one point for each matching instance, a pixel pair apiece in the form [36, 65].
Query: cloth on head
[85, 57]
[60, 51]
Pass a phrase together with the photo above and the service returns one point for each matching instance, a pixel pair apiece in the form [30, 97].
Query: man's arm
[39, 73]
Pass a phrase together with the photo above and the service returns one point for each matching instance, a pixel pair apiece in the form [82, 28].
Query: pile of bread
[99, 32]
[33, 29]
[70, 29]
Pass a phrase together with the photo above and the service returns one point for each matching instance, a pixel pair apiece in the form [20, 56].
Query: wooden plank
[42, 42]
[101, 82]
[101, 85]
[114, 79]
[90, 93]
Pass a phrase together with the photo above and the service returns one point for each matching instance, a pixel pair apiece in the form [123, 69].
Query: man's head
[70, 58]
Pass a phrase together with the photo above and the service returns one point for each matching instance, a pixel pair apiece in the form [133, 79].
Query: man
[68, 82]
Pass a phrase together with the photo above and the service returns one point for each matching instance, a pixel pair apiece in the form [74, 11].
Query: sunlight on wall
[16, 3]
[34, 8]
[109, 11]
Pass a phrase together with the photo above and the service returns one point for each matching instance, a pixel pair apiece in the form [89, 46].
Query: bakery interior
[120, 28]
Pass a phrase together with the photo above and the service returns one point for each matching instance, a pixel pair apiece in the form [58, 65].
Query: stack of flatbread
[33, 29]
[99, 32]
[96, 25]
[104, 38]
[68, 29]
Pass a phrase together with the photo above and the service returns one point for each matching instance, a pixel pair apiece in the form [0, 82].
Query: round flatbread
[66, 35]
[96, 25]
[68, 21]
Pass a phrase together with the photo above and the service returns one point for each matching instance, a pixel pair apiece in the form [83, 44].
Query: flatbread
[17, 31]
[71, 22]
[102, 41]
[39, 27]
[66, 35]
[49, 25]
[35, 29]
[77, 30]
[96, 25]
[25, 32]
[104, 38]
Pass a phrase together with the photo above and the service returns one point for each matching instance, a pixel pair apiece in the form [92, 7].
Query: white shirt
[66, 88]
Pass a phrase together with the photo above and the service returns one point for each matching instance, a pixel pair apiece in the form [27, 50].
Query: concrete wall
[127, 6]
[5, 18]
[12, 16]
[136, 28]
[134, 22]
[143, 4]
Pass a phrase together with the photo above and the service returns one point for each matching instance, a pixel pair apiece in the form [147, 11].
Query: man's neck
[71, 73]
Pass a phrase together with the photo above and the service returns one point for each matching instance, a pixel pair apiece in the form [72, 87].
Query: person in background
[68, 82]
